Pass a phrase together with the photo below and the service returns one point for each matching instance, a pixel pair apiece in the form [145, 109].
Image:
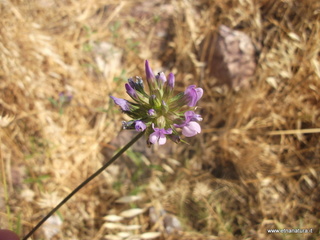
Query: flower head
[159, 113]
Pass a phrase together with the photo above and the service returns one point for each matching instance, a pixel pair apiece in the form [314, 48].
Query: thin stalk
[100, 170]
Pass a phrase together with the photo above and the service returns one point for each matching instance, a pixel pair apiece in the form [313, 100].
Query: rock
[232, 60]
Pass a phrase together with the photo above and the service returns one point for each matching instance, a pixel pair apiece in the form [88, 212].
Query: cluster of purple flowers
[161, 114]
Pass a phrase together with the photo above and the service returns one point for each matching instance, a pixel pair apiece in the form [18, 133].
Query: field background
[255, 166]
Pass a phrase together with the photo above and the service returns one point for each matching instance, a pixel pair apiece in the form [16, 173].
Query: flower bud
[161, 78]
[139, 84]
[140, 126]
[151, 112]
[171, 80]
[132, 83]
[149, 73]
[124, 104]
[131, 92]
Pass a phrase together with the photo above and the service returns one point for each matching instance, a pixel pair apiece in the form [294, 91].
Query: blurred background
[254, 167]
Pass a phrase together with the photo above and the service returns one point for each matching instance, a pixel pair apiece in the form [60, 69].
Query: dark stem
[100, 170]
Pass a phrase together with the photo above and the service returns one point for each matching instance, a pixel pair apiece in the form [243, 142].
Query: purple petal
[191, 129]
[182, 124]
[140, 126]
[179, 125]
[196, 117]
[188, 115]
[153, 138]
[199, 93]
[168, 131]
[155, 129]
[192, 116]
[158, 136]
[162, 139]
[192, 96]
[124, 105]
[189, 88]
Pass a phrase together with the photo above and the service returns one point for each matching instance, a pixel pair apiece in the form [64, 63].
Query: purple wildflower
[189, 127]
[159, 113]
[158, 136]
[140, 126]
[193, 94]
[65, 97]
[124, 104]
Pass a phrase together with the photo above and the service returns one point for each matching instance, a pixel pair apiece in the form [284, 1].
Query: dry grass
[255, 166]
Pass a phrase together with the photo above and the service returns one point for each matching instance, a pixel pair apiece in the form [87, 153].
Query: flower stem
[100, 170]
